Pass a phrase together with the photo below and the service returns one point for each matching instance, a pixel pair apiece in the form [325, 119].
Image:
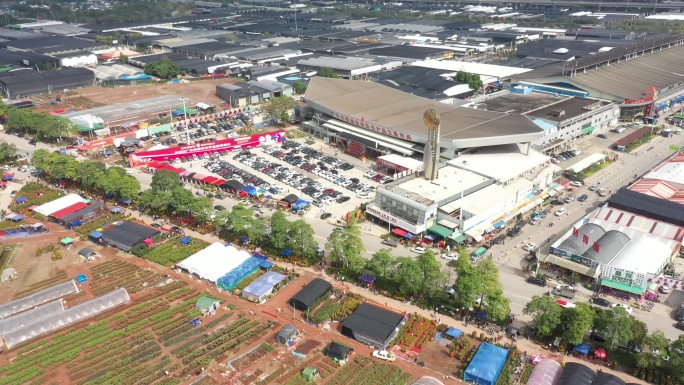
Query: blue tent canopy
[264, 284]
[244, 239]
[582, 348]
[367, 278]
[108, 152]
[126, 201]
[14, 217]
[175, 113]
[481, 315]
[75, 223]
[81, 278]
[453, 332]
[260, 256]
[115, 210]
[185, 240]
[235, 276]
[266, 264]
[96, 235]
[499, 224]
[249, 189]
[21, 199]
[409, 236]
[286, 252]
[486, 366]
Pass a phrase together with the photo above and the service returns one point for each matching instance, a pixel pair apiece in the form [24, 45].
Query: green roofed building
[207, 305]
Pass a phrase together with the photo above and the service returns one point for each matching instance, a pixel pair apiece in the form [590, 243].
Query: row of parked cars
[322, 194]
[228, 171]
[565, 155]
[382, 179]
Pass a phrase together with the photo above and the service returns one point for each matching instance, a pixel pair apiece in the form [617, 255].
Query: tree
[235, 221]
[165, 180]
[335, 247]
[258, 231]
[353, 245]
[299, 87]
[181, 198]
[472, 80]
[433, 278]
[123, 59]
[280, 226]
[677, 356]
[467, 282]
[545, 313]
[39, 160]
[409, 275]
[577, 321]
[201, 209]
[654, 349]
[164, 69]
[279, 107]
[157, 200]
[615, 325]
[8, 151]
[498, 306]
[381, 262]
[90, 173]
[327, 72]
[129, 187]
[301, 239]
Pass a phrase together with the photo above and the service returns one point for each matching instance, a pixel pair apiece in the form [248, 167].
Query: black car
[343, 199]
[680, 325]
[219, 208]
[557, 202]
[156, 225]
[177, 230]
[537, 281]
[33, 142]
[679, 316]
[513, 232]
[600, 302]
[326, 215]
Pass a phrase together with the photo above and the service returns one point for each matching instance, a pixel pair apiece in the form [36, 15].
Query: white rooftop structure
[611, 218]
[50, 208]
[586, 162]
[405, 162]
[481, 69]
[214, 261]
[670, 172]
[667, 16]
[446, 186]
[503, 163]
[643, 255]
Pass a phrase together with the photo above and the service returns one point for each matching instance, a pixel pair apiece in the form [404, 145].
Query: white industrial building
[587, 162]
[214, 261]
[488, 72]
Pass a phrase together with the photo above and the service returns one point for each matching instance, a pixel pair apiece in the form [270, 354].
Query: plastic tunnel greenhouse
[77, 313]
[244, 270]
[39, 298]
[37, 314]
[546, 372]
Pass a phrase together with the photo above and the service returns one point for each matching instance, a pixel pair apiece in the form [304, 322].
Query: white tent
[50, 208]
[214, 261]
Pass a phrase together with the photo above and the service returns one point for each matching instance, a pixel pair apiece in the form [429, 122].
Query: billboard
[142, 157]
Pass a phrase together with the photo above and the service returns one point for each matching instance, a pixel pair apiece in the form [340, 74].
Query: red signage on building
[363, 124]
[108, 141]
[175, 152]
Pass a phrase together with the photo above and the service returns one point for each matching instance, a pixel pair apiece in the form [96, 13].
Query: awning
[399, 232]
[148, 241]
[431, 237]
[588, 130]
[453, 332]
[67, 241]
[499, 224]
[185, 240]
[265, 264]
[460, 238]
[408, 235]
[622, 286]
[286, 252]
[570, 265]
[115, 210]
[448, 224]
[21, 199]
[96, 235]
[14, 217]
[75, 223]
[440, 230]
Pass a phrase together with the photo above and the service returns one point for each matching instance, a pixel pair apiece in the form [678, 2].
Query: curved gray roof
[609, 246]
[575, 244]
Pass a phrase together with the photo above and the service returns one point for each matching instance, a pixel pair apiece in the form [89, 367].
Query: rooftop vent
[561, 50]
[558, 113]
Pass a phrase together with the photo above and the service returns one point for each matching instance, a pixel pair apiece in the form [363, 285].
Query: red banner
[104, 142]
[175, 152]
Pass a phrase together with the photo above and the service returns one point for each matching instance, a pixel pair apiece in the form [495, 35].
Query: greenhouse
[262, 287]
[22, 83]
[214, 261]
[39, 298]
[75, 314]
[546, 372]
[486, 366]
[235, 276]
[37, 314]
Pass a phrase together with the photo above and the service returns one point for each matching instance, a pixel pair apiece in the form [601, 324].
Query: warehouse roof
[310, 293]
[409, 52]
[18, 58]
[632, 256]
[571, 107]
[50, 44]
[576, 244]
[373, 321]
[387, 107]
[648, 206]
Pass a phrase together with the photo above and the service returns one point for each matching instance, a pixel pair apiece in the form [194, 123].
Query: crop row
[346, 375]
[270, 379]
[115, 361]
[172, 295]
[221, 349]
[213, 341]
[21, 377]
[180, 334]
[38, 286]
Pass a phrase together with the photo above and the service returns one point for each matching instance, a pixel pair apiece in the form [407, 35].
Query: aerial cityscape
[362, 193]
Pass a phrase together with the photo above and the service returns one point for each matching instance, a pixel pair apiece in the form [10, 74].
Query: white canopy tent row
[36, 314]
[50, 208]
[69, 316]
[214, 261]
[39, 298]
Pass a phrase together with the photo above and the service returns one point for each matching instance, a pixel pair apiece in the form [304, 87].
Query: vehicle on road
[599, 301]
[583, 198]
[601, 192]
[679, 315]
[557, 202]
[156, 225]
[449, 257]
[536, 281]
[664, 289]
[602, 136]
[680, 325]
[219, 208]
[390, 242]
[560, 212]
[577, 183]
[627, 308]
[326, 215]
[418, 250]
[565, 304]
[384, 355]
[13, 193]
[564, 291]
[593, 187]
[529, 247]
[178, 230]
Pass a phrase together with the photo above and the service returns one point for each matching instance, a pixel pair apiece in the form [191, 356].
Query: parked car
[418, 250]
[602, 136]
[577, 183]
[560, 212]
[599, 301]
[384, 355]
[593, 187]
[601, 192]
[664, 289]
[627, 308]
[537, 281]
[326, 215]
[449, 257]
[178, 230]
[390, 242]
[582, 198]
[529, 247]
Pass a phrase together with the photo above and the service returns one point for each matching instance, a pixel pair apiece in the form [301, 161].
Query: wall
[601, 119]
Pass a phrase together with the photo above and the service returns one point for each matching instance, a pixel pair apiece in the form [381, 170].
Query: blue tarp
[81, 278]
[300, 204]
[453, 332]
[136, 77]
[499, 224]
[409, 236]
[286, 252]
[108, 152]
[264, 284]
[14, 217]
[481, 315]
[177, 113]
[265, 264]
[246, 268]
[96, 235]
[367, 278]
[260, 256]
[249, 189]
[126, 201]
[115, 210]
[486, 366]
[582, 348]
[75, 223]
[185, 240]
[244, 239]
[21, 199]
[678, 99]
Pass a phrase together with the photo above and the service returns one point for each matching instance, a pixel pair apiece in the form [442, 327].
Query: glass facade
[410, 211]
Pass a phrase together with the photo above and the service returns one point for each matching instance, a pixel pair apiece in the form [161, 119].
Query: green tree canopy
[236, 220]
[327, 72]
[654, 349]
[299, 87]
[165, 180]
[279, 107]
[615, 325]
[302, 240]
[382, 263]
[545, 313]
[164, 69]
[8, 152]
[280, 227]
[472, 80]
[577, 321]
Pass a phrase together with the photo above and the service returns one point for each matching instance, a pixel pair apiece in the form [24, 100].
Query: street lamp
[185, 120]
[462, 218]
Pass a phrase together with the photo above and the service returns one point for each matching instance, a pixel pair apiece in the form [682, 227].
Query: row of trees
[163, 69]
[92, 176]
[8, 152]
[41, 125]
[167, 196]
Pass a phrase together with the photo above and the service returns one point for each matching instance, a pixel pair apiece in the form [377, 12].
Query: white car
[560, 212]
[384, 355]
[529, 247]
[449, 257]
[418, 250]
[576, 183]
[627, 308]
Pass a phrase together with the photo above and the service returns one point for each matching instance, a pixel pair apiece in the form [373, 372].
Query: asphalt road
[509, 257]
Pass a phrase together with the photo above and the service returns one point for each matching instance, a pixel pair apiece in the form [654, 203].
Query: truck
[564, 291]
[384, 355]
[390, 242]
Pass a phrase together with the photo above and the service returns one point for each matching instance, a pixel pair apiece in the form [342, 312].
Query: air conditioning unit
[558, 113]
